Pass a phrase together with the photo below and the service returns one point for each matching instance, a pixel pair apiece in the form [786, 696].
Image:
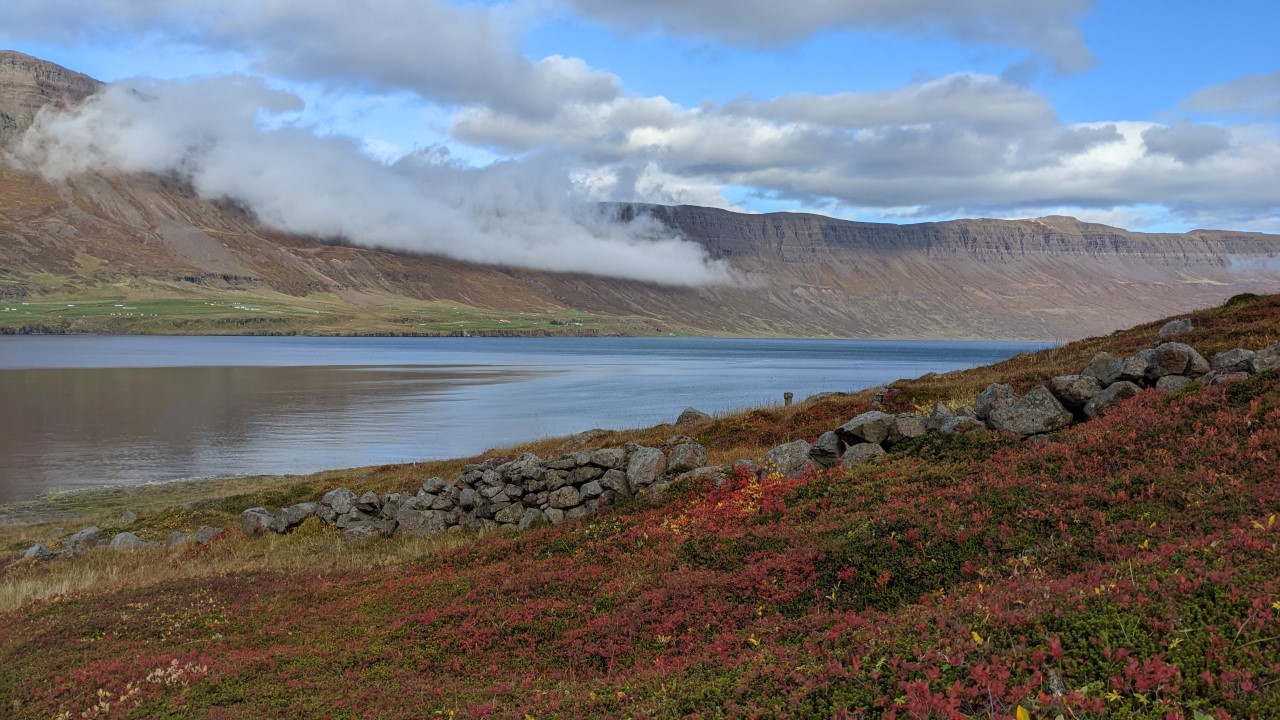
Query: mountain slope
[105, 241]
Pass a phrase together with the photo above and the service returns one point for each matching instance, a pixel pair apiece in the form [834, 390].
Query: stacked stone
[91, 537]
[512, 494]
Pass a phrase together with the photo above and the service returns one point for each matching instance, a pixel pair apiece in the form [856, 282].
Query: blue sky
[1155, 116]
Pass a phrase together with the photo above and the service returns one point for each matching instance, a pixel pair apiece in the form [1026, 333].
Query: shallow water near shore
[92, 411]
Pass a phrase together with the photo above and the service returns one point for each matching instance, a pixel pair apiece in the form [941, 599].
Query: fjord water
[87, 411]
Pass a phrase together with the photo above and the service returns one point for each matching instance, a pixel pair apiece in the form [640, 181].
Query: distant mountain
[1050, 278]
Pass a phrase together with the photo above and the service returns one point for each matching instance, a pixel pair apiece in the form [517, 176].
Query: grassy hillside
[1128, 568]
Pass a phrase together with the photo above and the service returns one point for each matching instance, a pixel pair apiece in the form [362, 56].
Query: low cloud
[1257, 95]
[519, 213]
[1185, 142]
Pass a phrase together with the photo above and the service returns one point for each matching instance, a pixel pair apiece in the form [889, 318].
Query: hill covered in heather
[182, 263]
[1121, 567]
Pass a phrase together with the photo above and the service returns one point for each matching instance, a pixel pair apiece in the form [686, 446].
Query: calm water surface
[91, 411]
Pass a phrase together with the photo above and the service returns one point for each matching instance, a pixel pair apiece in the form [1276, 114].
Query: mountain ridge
[123, 237]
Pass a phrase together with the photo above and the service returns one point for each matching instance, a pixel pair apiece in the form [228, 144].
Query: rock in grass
[256, 521]
[1111, 396]
[340, 501]
[1035, 413]
[959, 425]
[369, 503]
[37, 553]
[1173, 359]
[129, 541]
[791, 458]
[692, 415]
[1109, 369]
[178, 540]
[1173, 383]
[86, 539]
[294, 515]
[1236, 360]
[1174, 328]
[906, 426]
[872, 426]
[940, 415]
[1265, 359]
[827, 450]
[861, 453]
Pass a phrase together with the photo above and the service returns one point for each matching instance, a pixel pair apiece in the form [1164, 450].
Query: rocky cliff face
[796, 274]
[28, 84]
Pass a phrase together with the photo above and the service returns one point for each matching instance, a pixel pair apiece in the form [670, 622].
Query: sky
[501, 121]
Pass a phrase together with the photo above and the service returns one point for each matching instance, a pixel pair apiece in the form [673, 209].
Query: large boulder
[644, 466]
[1035, 413]
[256, 521]
[686, 456]
[827, 450]
[433, 486]
[1265, 359]
[565, 498]
[615, 480]
[906, 426]
[340, 501]
[860, 453]
[1174, 328]
[369, 503]
[1111, 396]
[129, 541]
[609, 458]
[939, 417]
[994, 397]
[1236, 360]
[692, 415]
[293, 515]
[510, 515]
[1074, 391]
[790, 458]
[1173, 359]
[872, 426]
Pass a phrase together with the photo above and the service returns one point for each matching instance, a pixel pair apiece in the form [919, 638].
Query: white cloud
[1048, 27]
[1257, 95]
[447, 53]
[524, 214]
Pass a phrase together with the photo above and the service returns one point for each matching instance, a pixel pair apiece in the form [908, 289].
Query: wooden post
[786, 399]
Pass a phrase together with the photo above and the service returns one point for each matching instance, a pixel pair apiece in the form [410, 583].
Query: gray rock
[1111, 396]
[390, 506]
[791, 458]
[526, 466]
[564, 498]
[616, 480]
[178, 540]
[1074, 391]
[369, 502]
[1035, 413]
[256, 521]
[492, 492]
[1173, 383]
[467, 499]
[341, 501]
[578, 513]
[206, 533]
[1265, 359]
[554, 516]
[860, 453]
[711, 472]
[357, 535]
[531, 517]
[692, 415]
[294, 515]
[1173, 359]
[584, 474]
[685, 457]
[129, 541]
[351, 519]
[827, 450]
[584, 438]
[86, 539]
[1233, 360]
[959, 425]
[644, 466]
[907, 426]
[326, 514]
[1105, 367]
[746, 468]
[872, 426]
[554, 479]
[37, 553]
[510, 515]
[128, 517]
[995, 397]
[433, 486]
[1227, 378]
[609, 458]
[591, 490]
[568, 462]
[1174, 328]
[422, 522]
[940, 415]
[447, 502]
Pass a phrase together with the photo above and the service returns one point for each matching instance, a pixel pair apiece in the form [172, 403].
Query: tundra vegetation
[1127, 567]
